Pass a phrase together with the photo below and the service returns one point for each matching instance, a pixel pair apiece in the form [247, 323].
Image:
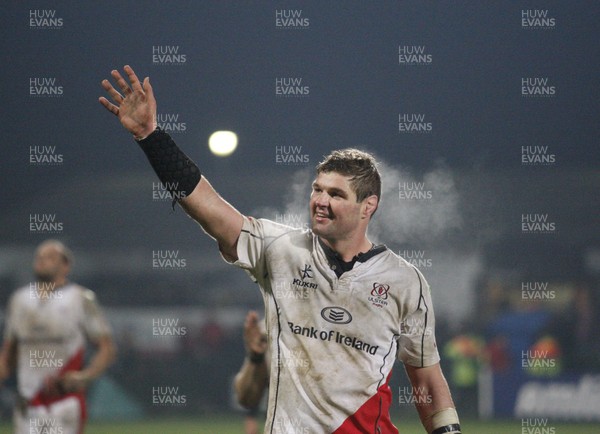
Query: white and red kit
[51, 327]
[334, 338]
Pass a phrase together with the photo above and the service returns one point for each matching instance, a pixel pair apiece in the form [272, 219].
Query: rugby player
[338, 309]
[47, 326]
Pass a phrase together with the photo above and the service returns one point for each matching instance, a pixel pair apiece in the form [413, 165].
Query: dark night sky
[348, 56]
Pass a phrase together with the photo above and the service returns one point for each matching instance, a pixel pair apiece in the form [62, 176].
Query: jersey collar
[340, 266]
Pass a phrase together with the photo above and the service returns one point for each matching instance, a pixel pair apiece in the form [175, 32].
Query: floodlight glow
[222, 143]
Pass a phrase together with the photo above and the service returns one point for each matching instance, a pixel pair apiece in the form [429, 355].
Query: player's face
[334, 212]
[49, 264]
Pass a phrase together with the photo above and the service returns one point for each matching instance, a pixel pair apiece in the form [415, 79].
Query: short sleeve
[94, 322]
[251, 246]
[416, 345]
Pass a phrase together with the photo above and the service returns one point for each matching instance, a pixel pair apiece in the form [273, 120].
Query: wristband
[448, 429]
[445, 422]
[177, 173]
[256, 358]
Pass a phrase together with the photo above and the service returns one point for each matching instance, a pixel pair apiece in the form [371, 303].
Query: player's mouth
[322, 216]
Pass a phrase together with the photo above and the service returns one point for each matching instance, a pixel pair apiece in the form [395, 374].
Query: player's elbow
[108, 349]
[112, 353]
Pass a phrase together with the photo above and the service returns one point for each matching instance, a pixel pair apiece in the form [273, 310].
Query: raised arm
[135, 106]
[435, 407]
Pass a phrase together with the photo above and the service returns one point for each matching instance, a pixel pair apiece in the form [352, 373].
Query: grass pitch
[232, 424]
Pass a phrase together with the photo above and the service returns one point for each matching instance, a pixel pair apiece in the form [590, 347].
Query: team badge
[379, 294]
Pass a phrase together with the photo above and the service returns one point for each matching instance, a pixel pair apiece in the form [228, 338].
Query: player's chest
[305, 289]
[304, 272]
[48, 318]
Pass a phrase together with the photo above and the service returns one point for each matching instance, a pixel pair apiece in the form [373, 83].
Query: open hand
[135, 106]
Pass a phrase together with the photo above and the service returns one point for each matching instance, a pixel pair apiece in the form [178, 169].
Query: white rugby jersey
[51, 328]
[333, 341]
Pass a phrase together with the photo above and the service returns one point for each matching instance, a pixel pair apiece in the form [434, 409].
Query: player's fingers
[109, 106]
[148, 88]
[135, 82]
[121, 83]
[116, 96]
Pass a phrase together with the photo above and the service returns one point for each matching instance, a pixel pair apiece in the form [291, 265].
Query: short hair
[64, 251]
[360, 166]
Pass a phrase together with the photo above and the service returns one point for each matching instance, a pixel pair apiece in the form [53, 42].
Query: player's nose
[322, 200]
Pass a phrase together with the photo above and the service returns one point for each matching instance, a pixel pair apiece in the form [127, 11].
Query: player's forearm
[104, 357]
[433, 400]
[437, 402]
[250, 383]
[183, 179]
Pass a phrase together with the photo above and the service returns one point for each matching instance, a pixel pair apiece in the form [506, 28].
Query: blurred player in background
[46, 329]
[253, 378]
[339, 310]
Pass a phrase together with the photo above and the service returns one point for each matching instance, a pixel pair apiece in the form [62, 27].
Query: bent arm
[104, 357]
[251, 381]
[432, 396]
[76, 381]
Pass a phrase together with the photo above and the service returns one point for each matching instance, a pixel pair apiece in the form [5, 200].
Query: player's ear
[370, 205]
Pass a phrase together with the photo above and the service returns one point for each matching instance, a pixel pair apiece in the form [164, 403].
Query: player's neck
[54, 283]
[347, 249]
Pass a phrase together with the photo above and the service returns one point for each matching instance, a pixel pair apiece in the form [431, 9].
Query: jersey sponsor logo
[336, 315]
[299, 283]
[299, 287]
[379, 294]
[307, 272]
[333, 336]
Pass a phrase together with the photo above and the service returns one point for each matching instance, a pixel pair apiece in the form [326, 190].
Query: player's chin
[320, 228]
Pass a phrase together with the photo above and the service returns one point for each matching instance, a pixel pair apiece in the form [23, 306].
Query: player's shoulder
[395, 263]
[86, 294]
[22, 293]
[400, 268]
[78, 291]
[272, 230]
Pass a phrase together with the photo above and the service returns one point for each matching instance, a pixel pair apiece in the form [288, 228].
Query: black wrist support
[256, 358]
[453, 428]
[178, 174]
